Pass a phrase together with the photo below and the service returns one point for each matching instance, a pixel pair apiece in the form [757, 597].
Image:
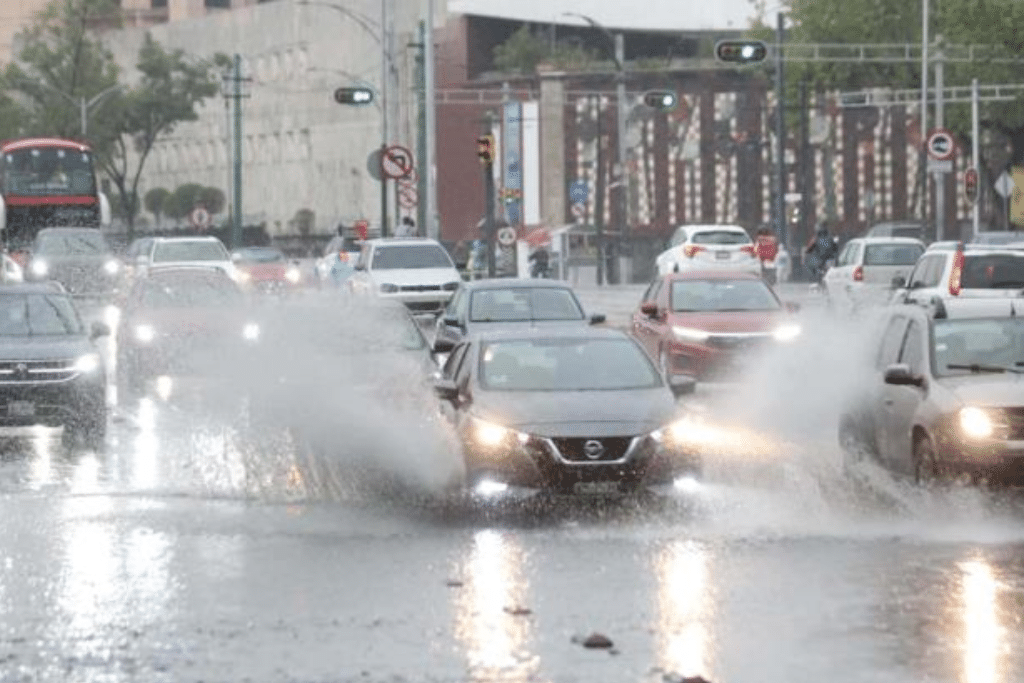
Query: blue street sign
[578, 191]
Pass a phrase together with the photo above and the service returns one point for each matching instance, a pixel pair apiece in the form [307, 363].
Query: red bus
[47, 182]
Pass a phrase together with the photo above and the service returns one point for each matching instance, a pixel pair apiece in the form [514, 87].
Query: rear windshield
[723, 295]
[185, 291]
[72, 243]
[411, 256]
[25, 315]
[720, 237]
[524, 304]
[993, 271]
[892, 254]
[168, 252]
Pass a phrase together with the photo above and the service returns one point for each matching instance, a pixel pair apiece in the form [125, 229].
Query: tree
[525, 50]
[180, 203]
[213, 199]
[155, 200]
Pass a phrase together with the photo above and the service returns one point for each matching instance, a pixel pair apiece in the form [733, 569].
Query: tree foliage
[154, 201]
[185, 197]
[525, 50]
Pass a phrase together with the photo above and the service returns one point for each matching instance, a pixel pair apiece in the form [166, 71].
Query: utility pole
[940, 177]
[600, 191]
[805, 183]
[487, 157]
[614, 276]
[233, 91]
[385, 132]
[975, 156]
[421, 131]
[427, 161]
[922, 155]
[780, 135]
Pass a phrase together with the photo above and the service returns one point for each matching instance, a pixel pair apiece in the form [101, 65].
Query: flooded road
[205, 546]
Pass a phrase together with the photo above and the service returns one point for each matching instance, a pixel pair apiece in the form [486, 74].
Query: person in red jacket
[767, 247]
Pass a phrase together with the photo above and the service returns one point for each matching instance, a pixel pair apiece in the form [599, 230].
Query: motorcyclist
[820, 250]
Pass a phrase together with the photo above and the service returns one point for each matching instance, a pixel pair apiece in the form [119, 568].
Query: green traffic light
[741, 51]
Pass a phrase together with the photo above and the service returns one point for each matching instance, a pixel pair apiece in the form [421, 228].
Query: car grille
[609, 449]
[419, 288]
[1015, 418]
[36, 371]
[735, 342]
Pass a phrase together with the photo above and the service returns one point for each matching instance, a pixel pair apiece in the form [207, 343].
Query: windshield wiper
[979, 367]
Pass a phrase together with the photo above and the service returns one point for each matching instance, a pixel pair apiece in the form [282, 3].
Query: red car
[705, 324]
[266, 270]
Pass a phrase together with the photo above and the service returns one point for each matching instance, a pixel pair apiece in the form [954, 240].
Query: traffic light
[485, 149]
[353, 96]
[971, 184]
[662, 100]
[741, 51]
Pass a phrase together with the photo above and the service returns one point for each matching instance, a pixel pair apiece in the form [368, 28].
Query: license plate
[595, 488]
[722, 255]
[21, 408]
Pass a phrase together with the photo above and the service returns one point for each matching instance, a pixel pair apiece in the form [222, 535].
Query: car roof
[69, 228]
[381, 241]
[48, 287]
[712, 275]
[515, 283]
[886, 239]
[942, 308]
[707, 227]
[187, 238]
[558, 332]
[182, 269]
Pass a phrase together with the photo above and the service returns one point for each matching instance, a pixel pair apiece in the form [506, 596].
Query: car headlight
[787, 332]
[388, 288]
[690, 333]
[251, 332]
[492, 435]
[450, 286]
[674, 433]
[145, 333]
[242, 277]
[976, 423]
[40, 268]
[111, 267]
[292, 275]
[88, 363]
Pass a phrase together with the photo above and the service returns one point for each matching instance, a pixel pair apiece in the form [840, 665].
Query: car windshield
[1002, 237]
[892, 254]
[722, 295]
[993, 271]
[26, 315]
[978, 343]
[204, 250]
[72, 243]
[400, 256]
[524, 303]
[720, 237]
[261, 255]
[570, 364]
[177, 292]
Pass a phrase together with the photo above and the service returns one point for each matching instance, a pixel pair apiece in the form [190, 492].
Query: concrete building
[14, 16]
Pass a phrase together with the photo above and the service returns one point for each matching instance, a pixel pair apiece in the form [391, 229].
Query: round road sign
[396, 162]
[199, 218]
[941, 145]
[507, 236]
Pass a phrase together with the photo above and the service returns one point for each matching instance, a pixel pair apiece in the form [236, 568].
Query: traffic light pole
[614, 276]
[975, 154]
[489, 219]
[780, 136]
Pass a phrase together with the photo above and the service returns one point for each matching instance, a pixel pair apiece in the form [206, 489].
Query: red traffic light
[971, 185]
[741, 51]
[485, 148]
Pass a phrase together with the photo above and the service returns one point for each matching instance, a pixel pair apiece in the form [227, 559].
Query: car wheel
[926, 465]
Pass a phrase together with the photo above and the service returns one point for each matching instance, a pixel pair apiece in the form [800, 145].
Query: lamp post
[620, 183]
[83, 104]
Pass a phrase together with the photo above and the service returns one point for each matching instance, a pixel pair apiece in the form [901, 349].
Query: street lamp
[84, 105]
[620, 95]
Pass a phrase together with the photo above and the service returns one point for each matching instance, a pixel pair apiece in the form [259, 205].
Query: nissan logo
[593, 449]
[21, 370]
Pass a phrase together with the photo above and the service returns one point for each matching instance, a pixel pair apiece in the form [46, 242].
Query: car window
[395, 256]
[566, 365]
[724, 237]
[892, 254]
[524, 304]
[261, 255]
[892, 340]
[166, 252]
[72, 243]
[23, 315]
[722, 295]
[455, 358]
[912, 352]
[993, 271]
[846, 255]
[977, 341]
[188, 291]
[452, 307]
[678, 237]
[927, 271]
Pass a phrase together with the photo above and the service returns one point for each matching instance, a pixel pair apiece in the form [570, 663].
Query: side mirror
[446, 389]
[99, 329]
[450, 321]
[598, 318]
[899, 374]
[359, 266]
[792, 307]
[898, 282]
[682, 385]
[649, 308]
[443, 346]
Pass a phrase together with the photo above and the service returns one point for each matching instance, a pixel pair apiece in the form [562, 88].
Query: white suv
[866, 267]
[414, 270]
[965, 273]
[184, 251]
[709, 247]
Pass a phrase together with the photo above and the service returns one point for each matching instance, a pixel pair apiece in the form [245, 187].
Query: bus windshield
[47, 171]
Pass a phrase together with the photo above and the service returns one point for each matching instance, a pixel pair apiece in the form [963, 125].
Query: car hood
[578, 413]
[416, 276]
[730, 322]
[183, 320]
[91, 260]
[43, 347]
[265, 271]
[1001, 390]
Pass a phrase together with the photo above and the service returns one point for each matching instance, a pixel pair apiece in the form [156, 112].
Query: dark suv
[50, 370]
[79, 258]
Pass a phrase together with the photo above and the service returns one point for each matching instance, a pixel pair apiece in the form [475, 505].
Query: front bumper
[558, 465]
[718, 358]
[427, 301]
[51, 404]
[998, 461]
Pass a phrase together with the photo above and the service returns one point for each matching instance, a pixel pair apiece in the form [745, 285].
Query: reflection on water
[984, 637]
[498, 641]
[684, 609]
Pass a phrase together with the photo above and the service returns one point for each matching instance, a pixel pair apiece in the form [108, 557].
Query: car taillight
[692, 249]
[858, 274]
[956, 274]
[749, 248]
